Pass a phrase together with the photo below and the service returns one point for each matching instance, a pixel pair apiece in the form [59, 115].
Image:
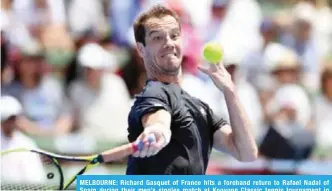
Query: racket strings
[22, 186]
[29, 171]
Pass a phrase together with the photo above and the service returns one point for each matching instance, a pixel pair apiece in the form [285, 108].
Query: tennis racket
[41, 170]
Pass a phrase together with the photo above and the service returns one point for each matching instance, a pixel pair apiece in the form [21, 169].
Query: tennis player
[185, 128]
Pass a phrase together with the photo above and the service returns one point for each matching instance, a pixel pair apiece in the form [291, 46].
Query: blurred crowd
[70, 67]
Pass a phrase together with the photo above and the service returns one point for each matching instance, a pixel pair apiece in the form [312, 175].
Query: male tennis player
[185, 128]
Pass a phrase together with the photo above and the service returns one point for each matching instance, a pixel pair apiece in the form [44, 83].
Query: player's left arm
[236, 138]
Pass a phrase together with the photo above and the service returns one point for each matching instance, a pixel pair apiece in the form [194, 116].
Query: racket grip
[137, 146]
[98, 159]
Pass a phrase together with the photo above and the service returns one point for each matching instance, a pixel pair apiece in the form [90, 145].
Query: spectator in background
[288, 132]
[266, 90]
[241, 24]
[59, 53]
[253, 66]
[302, 42]
[121, 23]
[284, 65]
[285, 102]
[44, 108]
[290, 105]
[38, 13]
[11, 137]
[12, 28]
[323, 108]
[100, 100]
[286, 68]
[199, 13]
[17, 167]
[218, 13]
[87, 15]
[6, 71]
[322, 32]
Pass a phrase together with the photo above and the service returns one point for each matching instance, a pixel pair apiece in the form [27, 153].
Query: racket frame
[128, 149]
[54, 158]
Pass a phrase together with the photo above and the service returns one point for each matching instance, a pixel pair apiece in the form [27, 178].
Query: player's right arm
[158, 125]
[151, 114]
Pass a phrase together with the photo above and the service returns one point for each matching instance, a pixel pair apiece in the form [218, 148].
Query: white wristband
[167, 135]
[161, 130]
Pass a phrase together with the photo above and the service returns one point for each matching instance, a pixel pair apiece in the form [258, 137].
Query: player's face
[162, 52]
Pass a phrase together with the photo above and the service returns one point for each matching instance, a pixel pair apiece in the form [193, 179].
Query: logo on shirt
[157, 105]
[202, 110]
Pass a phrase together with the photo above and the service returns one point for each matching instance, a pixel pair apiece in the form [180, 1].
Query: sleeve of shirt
[216, 121]
[155, 96]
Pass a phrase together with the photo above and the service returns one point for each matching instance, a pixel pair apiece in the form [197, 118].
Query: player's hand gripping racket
[34, 169]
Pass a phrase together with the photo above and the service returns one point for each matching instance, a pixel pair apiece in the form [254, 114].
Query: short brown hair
[157, 11]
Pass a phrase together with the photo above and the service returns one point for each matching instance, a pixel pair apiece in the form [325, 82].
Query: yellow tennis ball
[212, 52]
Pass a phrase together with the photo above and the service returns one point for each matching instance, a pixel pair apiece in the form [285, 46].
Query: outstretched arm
[158, 125]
